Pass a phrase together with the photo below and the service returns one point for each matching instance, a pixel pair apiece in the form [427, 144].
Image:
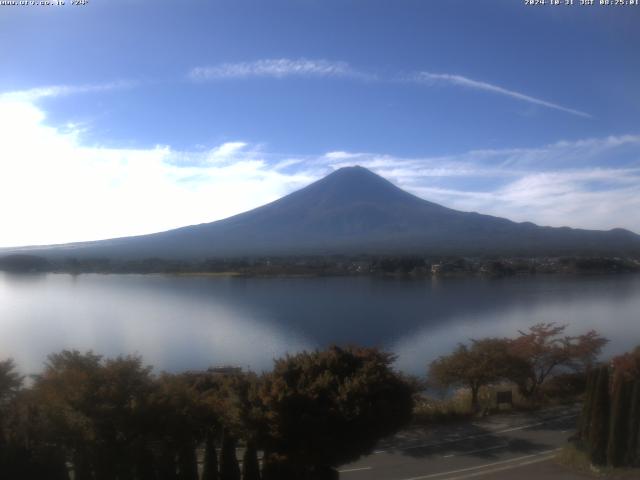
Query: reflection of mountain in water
[192, 322]
[376, 311]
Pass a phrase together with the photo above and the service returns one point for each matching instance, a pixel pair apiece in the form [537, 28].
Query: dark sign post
[504, 397]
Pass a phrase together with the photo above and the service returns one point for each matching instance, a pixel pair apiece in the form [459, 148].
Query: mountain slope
[352, 211]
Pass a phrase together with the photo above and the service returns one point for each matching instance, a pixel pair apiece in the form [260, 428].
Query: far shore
[401, 266]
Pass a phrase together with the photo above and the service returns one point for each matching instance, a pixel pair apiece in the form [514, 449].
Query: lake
[179, 323]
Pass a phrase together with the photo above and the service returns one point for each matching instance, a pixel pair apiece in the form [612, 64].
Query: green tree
[627, 368]
[10, 381]
[585, 416]
[229, 468]
[10, 385]
[187, 461]
[210, 468]
[250, 465]
[599, 425]
[66, 393]
[97, 410]
[633, 444]
[179, 411]
[28, 450]
[242, 419]
[619, 420]
[326, 408]
[120, 420]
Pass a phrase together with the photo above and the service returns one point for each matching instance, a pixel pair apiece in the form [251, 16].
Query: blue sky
[126, 117]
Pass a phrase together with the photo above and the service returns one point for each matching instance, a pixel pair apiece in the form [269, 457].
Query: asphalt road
[504, 446]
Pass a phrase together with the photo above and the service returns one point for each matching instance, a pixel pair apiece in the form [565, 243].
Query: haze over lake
[181, 323]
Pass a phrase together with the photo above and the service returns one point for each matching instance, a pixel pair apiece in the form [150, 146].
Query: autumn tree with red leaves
[545, 349]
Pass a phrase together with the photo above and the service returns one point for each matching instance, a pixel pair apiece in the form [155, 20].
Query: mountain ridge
[353, 211]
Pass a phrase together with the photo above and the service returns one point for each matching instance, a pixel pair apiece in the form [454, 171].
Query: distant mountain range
[352, 211]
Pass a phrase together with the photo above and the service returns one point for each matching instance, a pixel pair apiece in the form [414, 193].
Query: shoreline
[400, 266]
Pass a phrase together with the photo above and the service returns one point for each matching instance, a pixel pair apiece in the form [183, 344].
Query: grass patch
[457, 406]
[429, 410]
[574, 459]
[577, 460]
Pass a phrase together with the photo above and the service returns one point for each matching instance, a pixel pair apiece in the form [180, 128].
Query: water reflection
[192, 322]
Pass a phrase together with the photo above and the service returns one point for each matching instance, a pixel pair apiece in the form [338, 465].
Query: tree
[183, 417]
[250, 465]
[585, 416]
[66, 393]
[583, 350]
[326, 408]
[599, 425]
[120, 420]
[187, 462]
[26, 449]
[10, 384]
[210, 468]
[242, 420]
[483, 362]
[619, 418]
[229, 468]
[611, 433]
[626, 435]
[97, 410]
[633, 453]
[10, 381]
[544, 350]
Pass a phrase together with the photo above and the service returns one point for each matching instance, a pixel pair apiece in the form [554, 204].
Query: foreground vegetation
[542, 365]
[541, 361]
[108, 419]
[609, 429]
[91, 418]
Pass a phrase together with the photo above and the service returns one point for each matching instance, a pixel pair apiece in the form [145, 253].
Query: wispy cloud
[302, 67]
[460, 81]
[560, 184]
[37, 93]
[277, 68]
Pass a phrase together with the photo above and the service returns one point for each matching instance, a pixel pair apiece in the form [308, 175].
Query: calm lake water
[179, 323]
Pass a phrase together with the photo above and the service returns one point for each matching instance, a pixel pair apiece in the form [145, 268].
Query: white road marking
[468, 452]
[354, 469]
[501, 469]
[480, 435]
[478, 467]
